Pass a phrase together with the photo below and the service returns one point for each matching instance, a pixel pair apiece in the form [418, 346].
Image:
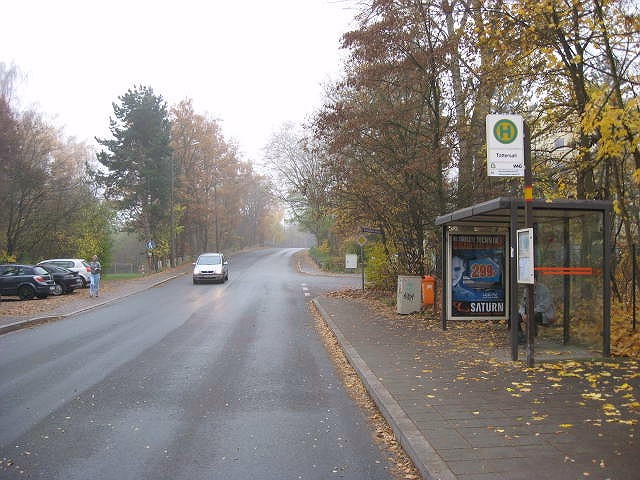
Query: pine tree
[138, 161]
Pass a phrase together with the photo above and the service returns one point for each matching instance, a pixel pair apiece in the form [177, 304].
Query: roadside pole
[361, 241]
[633, 283]
[528, 223]
[362, 265]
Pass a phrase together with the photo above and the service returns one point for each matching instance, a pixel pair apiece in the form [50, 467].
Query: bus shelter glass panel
[569, 262]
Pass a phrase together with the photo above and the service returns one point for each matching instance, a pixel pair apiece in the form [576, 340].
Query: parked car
[66, 281]
[75, 265]
[25, 281]
[210, 267]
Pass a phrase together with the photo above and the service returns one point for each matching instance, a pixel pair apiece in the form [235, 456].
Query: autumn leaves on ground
[14, 307]
[602, 393]
[625, 341]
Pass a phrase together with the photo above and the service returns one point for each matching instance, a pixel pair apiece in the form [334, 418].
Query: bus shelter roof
[498, 210]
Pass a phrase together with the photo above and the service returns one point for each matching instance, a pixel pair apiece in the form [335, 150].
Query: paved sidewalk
[56, 308]
[462, 410]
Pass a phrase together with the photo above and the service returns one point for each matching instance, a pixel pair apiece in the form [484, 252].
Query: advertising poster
[477, 272]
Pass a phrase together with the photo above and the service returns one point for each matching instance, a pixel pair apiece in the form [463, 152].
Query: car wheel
[58, 289]
[25, 292]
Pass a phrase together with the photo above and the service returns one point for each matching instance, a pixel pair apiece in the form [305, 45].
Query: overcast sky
[252, 64]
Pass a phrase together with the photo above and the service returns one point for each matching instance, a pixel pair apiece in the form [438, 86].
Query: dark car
[66, 281]
[25, 281]
[75, 265]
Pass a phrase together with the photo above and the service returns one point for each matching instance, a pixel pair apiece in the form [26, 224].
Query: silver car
[210, 267]
[75, 265]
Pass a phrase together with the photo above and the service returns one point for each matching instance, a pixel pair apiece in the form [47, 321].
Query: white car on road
[210, 267]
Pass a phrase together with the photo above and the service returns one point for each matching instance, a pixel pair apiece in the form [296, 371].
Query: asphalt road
[215, 381]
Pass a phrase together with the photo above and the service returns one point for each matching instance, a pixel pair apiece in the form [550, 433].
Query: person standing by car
[96, 268]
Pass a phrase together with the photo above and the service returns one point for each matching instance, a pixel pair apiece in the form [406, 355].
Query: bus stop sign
[505, 146]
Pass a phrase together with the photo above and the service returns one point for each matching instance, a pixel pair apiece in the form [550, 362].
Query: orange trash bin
[428, 290]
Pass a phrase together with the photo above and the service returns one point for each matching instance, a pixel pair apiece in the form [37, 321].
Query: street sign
[505, 145]
[362, 240]
[150, 245]
[372, 230]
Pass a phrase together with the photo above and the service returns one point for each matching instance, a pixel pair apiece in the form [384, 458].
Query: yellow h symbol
[505, 131]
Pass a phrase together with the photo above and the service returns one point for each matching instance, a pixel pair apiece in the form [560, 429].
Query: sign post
[528, 223]
[150, 246]
[361, 241]
[509, 155]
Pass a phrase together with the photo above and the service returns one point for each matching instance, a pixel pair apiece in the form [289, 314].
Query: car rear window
[39, 271]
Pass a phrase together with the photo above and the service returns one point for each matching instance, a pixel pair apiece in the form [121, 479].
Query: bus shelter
[572, 258]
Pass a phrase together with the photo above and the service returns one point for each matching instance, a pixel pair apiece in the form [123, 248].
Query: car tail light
[40, 279]
[88, 269]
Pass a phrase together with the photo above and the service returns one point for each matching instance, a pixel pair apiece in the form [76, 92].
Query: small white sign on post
[351, 261]
[505, 146]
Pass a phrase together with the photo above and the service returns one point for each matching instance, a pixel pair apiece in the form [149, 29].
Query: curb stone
[423, 455]
[35, 321]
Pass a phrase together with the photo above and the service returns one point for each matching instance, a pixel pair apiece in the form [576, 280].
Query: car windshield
[210, 260]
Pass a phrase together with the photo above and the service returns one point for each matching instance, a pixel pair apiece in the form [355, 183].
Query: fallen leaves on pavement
[404, 467]
[471, 358]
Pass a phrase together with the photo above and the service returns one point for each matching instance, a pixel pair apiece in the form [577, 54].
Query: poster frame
[504, 282]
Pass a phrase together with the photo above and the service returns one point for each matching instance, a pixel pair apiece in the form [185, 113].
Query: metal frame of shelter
[572, 221]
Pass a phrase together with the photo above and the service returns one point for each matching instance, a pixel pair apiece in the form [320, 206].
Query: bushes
[381, 272]
[6, 258]
[323, 257]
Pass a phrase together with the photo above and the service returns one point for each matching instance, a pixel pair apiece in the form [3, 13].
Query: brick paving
[464, 411]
